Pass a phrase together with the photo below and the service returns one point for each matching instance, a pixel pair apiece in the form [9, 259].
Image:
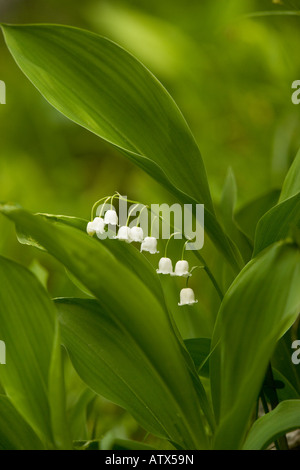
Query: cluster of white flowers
[149, 244]
[165, 266]
[98, 224]
[181, 267]
[125, 233]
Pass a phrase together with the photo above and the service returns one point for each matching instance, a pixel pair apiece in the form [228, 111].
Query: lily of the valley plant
[125, 335]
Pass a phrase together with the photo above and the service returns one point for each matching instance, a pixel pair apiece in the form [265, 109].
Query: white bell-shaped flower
[187, 297]
[111, 217]
[90, 228]
[96, 226]
[149, 244]
[136, 234]
[165, 266]
[100, 229]
[182, 269]
[124, 234]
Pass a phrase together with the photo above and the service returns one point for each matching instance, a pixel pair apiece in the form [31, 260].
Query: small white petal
[100, 225]
[187, 297]
[165, 266]
[137, 234]
[96, 226]
[111, 217]
[124, 233]
[150, 245]
[182, 269]
[90, 228]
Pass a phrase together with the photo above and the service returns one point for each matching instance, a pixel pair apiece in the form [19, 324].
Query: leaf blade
[291, 185]
[276, 224]
[262, 303]
[15, 432]
[27, 327]
[268, 428]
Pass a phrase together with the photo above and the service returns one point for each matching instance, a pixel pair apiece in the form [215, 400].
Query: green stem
[211, 276]
[192, 269]
[129, 215]
[125, 199]
[101, 212]
[94, 208]
[183, 248]
[112, 199]
[167, 244]
[152, 225]
[138, 220]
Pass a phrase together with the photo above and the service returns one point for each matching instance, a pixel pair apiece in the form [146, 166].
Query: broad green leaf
[78, 399]
[126, 254]
[75, 222]
[226, 210]
[131, 258]
[260, 306]
[115, 364]
[268, 428]
[199, 349]
[113, 444]
[288, 391]
[276, 224]
[122, 293]
[15, 432]
[248, 215]
[291, 185]
[112, 362]
[57, 397]
[77, 414]
[27, 323]
[87, 445]
[103, 88]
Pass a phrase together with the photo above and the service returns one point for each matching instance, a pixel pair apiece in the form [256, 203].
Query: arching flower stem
[151, 229]
[191, 270]
[210, 275]
[183, 248]
[139, 216]
[167, 244]
[94, 208]
[129, 215]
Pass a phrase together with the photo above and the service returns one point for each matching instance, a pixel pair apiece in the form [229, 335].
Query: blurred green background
[229, 64]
